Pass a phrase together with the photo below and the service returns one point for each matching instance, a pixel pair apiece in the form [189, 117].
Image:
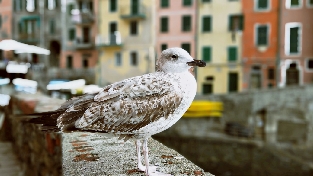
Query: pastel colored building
[79, 55]
[219, 41]
[126, 40]
[5, 25]
[296, 42]
[260, 41]
[176, 25]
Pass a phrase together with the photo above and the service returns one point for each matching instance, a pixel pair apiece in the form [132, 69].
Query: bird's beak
[196, 62]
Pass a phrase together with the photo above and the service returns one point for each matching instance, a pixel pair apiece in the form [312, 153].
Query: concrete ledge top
[94, 154]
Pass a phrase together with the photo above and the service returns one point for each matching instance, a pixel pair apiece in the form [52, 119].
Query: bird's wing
[131, 104]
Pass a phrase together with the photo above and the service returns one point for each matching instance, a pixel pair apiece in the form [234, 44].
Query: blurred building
[79, 27]
[126, 39]
[219, 43]
[296, 42]
[260, 41]
[5, 26]
[176, 25]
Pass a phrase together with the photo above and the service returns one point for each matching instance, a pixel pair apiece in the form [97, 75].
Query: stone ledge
[82, 153]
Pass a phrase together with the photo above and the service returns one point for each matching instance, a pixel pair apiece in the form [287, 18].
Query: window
[118, 59]
[0, 21]
[113, 5]
[186, 23]
[206, 53]
[293, 38]
[30, 6]
[207, 88]
[133, 59]
[164, 24]
[71, 34]
[261, 5]
[290, 4]
[51, 4]
[85, 63]
[235, 23]
[133, 28]
[206, 0]
[271, 73]
[309, 64]
[52, 27]
[186, 46]
[187, 2]
[232, 53]
[69, 62]
[70, 7]
[206, 23]
[261, 35]
[18, 5]
[163, 47]
[232, 82]
[164, 3]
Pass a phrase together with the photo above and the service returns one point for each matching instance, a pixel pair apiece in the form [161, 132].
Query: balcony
[133, 12]
[31, 38]
[83, 43]
[82, 17]
[112, 40]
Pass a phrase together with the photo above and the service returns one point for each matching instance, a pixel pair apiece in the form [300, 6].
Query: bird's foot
[152, 171]
[151, 168]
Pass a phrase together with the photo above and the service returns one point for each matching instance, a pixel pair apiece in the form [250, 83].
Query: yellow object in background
[201, 108]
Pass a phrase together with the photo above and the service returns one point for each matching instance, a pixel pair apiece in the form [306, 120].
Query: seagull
[135, 108]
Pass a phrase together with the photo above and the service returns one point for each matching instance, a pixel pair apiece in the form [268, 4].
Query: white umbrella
[22, 48]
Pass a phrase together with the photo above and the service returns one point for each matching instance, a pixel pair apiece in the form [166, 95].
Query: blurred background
[253, 110]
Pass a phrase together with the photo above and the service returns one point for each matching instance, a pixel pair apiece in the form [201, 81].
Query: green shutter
[232, 82]
[70, 7]
[262, 4]
[113, 5]
[294, 2]
[72, 34]
[206, 54]
[164, 3]
[206, 24]
[186, 46]
[163, 47]
[164, 24]
[186, 25]
[187, 2]
[0, 21]
[294, 40]
[232, 54]
[52, 26]
[262, 35]
[207, 89]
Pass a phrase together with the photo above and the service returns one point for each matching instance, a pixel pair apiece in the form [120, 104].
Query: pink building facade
[176, 25]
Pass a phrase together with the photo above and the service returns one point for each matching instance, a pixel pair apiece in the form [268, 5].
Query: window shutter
[262, 35]
[232, 53]
[262, 4]
[294, 40]
[206, 54]
[206, 24]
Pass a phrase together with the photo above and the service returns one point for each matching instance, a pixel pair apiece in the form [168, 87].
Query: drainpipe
[196, 36]
[277, 62]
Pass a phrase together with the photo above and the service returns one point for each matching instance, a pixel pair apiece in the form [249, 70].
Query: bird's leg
[140, 166]
[150, 170]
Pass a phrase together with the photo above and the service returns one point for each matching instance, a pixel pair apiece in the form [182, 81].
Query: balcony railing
[83, 44]
[82, 16]
[28, 38]
[111, 40]
[133, 12]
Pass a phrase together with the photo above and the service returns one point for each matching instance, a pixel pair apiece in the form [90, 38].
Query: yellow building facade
[219, 38]
[126, 40]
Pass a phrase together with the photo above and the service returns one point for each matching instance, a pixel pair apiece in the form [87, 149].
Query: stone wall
[79, 153]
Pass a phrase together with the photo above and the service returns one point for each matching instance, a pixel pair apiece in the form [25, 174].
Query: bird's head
[177, 60]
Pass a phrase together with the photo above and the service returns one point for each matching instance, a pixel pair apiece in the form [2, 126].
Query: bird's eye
[174, 56]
